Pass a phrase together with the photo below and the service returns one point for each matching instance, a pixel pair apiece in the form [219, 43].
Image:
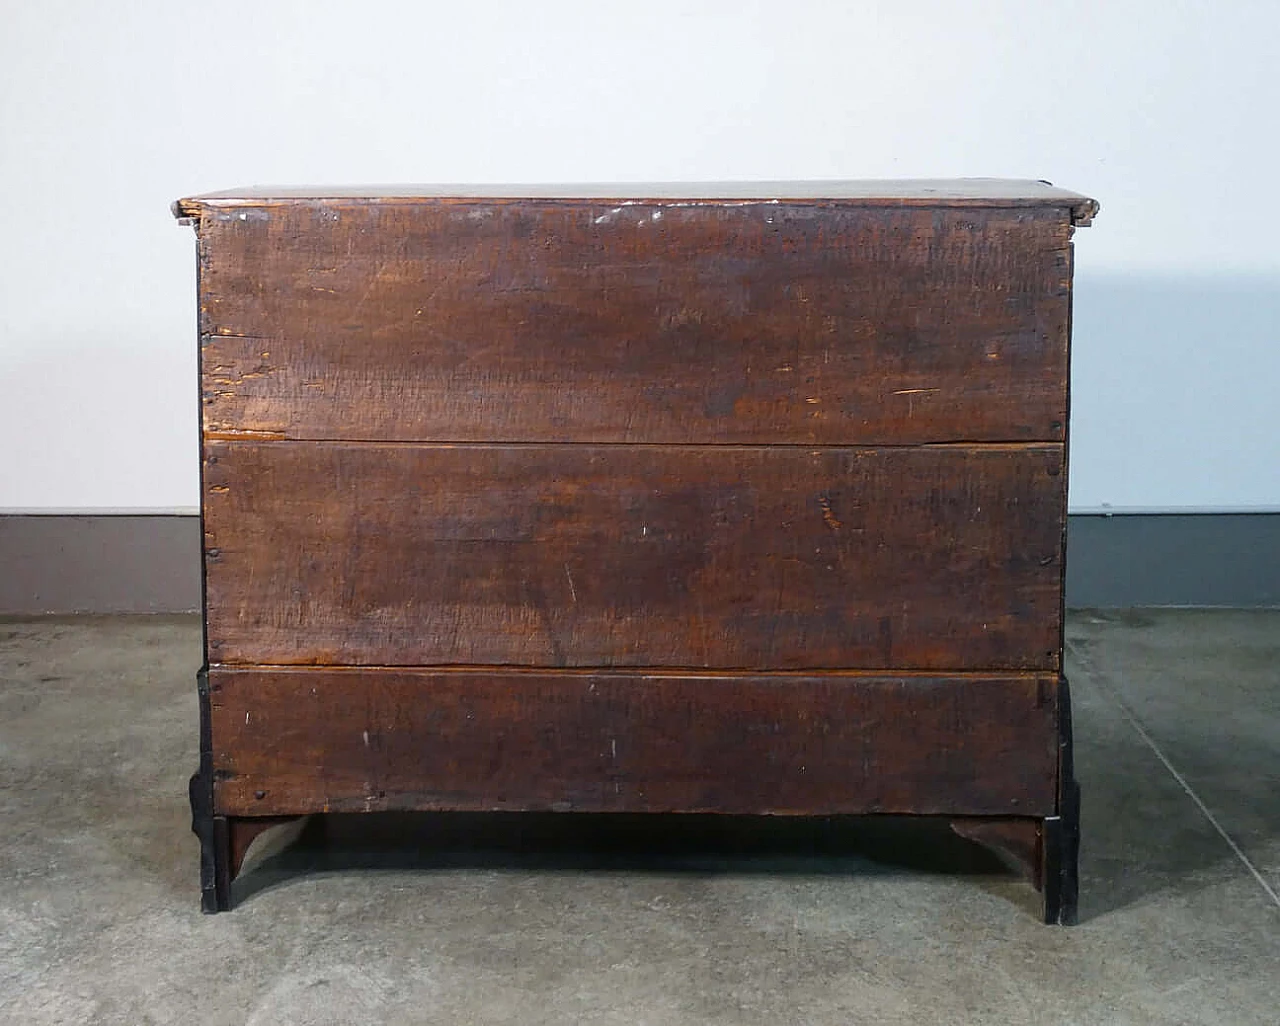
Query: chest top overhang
[949, 193]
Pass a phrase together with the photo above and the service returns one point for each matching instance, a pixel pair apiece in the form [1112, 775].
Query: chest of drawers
[739, 499]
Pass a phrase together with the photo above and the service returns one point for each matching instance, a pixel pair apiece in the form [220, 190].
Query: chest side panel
[751, 322]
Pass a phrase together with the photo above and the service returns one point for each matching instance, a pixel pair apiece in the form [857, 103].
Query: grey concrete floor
[568, 919]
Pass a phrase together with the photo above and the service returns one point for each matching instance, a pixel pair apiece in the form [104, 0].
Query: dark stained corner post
[738, 498]
[214, 873]
[1046, 850]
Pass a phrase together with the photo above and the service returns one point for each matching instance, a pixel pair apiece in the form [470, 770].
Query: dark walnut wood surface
[541, 321]
[627, 742]
[938, 557]
[743, 497]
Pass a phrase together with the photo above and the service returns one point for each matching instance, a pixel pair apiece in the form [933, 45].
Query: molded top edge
[952, 192]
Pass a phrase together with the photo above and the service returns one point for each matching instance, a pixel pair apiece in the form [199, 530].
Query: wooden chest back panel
[289, 739]
[574, 321]
[933, 557]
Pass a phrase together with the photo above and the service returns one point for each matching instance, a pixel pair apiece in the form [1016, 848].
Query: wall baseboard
[99, 564]
[150, 563]
[1174, 559]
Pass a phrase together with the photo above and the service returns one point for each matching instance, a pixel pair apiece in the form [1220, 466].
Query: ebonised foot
[1043, 849]
[1046, 850]
[224, 840]
[215, 883]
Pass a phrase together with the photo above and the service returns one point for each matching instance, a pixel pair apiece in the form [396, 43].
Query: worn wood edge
[194, 206]
[1080, 210]
[253, 435]
[640, 673]
[1083, 212]
[1046, 447]
[974, 188]
[187, 211]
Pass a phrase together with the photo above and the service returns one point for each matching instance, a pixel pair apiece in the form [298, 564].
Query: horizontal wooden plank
[641, 322]
[937, 557]
[627, 742]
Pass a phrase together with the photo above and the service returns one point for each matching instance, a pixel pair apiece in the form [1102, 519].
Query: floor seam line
[1086, 663]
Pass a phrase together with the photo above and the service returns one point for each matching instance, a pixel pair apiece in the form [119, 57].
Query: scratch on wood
[226, 434]
[828, 515]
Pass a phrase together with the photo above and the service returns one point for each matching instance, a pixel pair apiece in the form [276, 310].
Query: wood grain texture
[292, 741]
[932, 557]
[742, 499]
[647, 321]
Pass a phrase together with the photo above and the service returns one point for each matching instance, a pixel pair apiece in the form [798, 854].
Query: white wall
[1162, 109]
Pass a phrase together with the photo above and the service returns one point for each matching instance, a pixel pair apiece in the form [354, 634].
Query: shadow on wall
[1174, 379]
